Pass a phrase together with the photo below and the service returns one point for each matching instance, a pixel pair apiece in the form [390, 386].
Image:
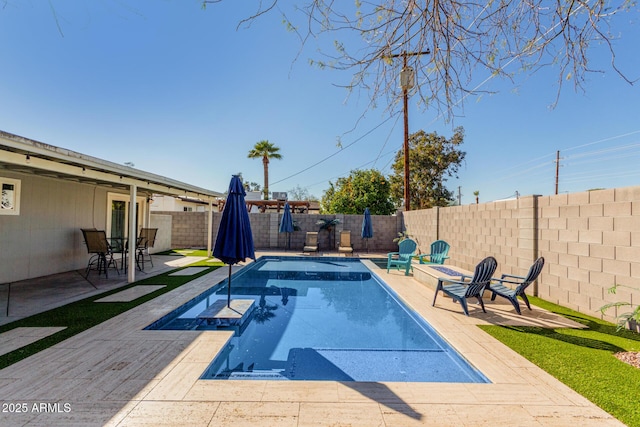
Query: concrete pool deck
[117, 374]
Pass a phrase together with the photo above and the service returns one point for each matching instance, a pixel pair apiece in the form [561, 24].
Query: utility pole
[459, 196]
[407, 81]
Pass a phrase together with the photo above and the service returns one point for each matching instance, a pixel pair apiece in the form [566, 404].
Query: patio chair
[498, 287]
[146, 240]
[344, 247]
[102, 254]
[439, 252]
[461, 290]
[402, 258]
[311, 242]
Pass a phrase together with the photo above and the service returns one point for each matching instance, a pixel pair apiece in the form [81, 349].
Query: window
[187, 209]
[10, 198]
[118, 214]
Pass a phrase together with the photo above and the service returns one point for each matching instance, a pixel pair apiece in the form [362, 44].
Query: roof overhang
[19, 154]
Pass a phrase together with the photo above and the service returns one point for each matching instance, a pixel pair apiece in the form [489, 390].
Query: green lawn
[84, 314]
[583, 359]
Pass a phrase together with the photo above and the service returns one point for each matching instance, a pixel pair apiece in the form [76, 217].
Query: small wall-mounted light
[84, 171]
[28, 159]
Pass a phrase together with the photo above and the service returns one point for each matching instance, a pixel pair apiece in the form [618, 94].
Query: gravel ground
[630, 357]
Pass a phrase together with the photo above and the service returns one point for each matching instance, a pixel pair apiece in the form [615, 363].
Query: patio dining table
[121, 245]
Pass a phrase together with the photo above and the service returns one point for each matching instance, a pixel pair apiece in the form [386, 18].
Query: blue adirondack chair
[498, 287]
[461, 290]
[439, 252]
[402, 258]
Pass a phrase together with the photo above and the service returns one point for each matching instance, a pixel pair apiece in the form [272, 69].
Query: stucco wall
[163, 237]
[45, 238]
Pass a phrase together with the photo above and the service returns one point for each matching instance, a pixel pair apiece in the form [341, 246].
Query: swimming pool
[323, 319]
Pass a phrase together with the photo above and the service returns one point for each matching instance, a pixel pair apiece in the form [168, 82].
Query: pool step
[219, 314]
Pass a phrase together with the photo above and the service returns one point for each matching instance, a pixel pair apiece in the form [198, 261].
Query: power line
[334, 154]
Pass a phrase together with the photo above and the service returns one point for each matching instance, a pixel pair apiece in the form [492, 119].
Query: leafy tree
[265, 150]
[448, 42]
[432, 158]
[361, 189]
[248, 186]
[299, 193]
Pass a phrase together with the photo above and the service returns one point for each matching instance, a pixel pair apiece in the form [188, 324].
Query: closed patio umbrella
[234, 242]
[286, 225]
[367, 227]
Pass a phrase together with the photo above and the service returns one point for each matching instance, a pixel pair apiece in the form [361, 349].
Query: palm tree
[265, 150]
[477, 194]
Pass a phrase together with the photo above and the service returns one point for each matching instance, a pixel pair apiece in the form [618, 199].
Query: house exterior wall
[46, 238]
[590, 242]
[169, 203]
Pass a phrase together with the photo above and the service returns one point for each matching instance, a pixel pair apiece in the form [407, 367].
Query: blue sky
[182, 92]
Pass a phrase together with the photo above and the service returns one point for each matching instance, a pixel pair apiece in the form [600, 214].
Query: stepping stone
[131, 294]
[20, 337]
[189, 271]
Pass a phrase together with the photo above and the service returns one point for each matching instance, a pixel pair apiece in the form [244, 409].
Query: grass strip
[84, 314]
[583, 359]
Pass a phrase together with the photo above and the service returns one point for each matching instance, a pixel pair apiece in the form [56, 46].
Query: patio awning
[23, 155]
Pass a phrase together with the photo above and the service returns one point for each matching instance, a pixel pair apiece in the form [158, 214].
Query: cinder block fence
[590, 241]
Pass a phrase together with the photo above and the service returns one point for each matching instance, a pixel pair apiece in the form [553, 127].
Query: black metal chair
[146, 240]
[461, 290]
[498, 287]
[102, 255]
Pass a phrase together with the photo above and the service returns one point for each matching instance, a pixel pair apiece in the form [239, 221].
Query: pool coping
[119, 374]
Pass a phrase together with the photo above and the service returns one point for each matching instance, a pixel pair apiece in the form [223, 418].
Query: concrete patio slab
[131, 294]
[189, 271]
[19, 337]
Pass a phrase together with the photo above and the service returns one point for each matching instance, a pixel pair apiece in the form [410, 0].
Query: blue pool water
[323, 319]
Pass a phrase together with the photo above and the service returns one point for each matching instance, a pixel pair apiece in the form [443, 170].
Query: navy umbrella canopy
[234, 242]
[367, 227]
[286, 225]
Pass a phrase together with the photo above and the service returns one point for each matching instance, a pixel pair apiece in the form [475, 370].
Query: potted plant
[329, 225]
[630, 318]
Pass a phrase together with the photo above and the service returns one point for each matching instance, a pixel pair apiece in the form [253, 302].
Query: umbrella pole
[229, 289]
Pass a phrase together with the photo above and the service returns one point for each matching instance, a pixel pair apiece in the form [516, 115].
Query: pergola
[263, 205]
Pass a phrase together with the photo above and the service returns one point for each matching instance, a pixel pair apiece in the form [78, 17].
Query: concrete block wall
[590, 241]
[266, 231]
[189, 229]
[500, 229]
